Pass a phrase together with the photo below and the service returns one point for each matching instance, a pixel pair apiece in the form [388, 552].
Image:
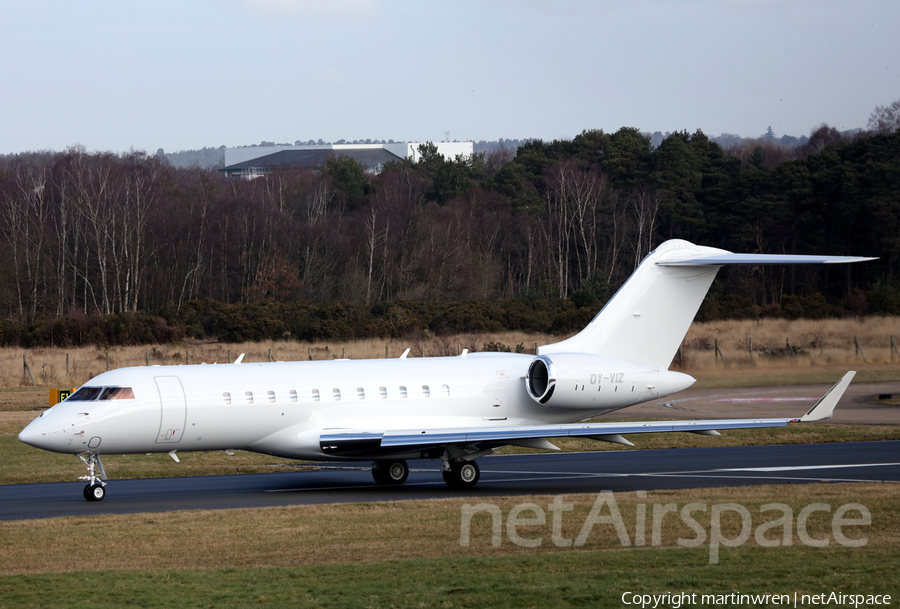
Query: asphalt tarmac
[500, 475]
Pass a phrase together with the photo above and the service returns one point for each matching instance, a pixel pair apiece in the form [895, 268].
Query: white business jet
[453, 409]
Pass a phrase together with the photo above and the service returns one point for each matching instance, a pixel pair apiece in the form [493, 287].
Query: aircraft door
[497, 405]
[173, 409]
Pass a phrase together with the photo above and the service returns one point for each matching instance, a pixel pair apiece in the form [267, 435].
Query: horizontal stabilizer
[729, 258]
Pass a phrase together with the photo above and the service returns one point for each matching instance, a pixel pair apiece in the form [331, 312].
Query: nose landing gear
[95, 489]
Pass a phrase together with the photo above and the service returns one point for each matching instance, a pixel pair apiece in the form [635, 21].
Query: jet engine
[585, 381]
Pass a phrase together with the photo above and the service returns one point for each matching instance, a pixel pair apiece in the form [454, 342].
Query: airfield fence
[72, 367]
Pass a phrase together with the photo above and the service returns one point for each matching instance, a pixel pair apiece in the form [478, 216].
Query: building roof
[315, 158]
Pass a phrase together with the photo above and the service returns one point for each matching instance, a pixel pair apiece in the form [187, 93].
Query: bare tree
[885, 119]
[25, 214]
[644, 204]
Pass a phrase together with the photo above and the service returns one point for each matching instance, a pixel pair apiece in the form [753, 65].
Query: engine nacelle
[592, 382]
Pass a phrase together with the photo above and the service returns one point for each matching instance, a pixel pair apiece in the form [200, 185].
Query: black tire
[379, 475]
[390, 473]
[96, 492]
[397, 472]
[87, 492]
[448, 478]
[464, 474]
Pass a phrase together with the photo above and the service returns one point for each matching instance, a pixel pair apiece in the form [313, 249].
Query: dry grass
[815, 344]
[71, 367]
[820, 349]
[327, 534]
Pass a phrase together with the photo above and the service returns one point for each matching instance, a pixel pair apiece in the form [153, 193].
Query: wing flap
[366, 442]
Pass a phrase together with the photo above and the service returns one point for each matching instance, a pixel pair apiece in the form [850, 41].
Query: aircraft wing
[479, 441]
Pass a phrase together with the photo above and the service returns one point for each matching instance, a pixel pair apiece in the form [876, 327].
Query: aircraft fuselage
[283, 408]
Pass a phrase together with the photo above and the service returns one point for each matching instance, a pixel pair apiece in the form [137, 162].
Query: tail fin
[649, 316]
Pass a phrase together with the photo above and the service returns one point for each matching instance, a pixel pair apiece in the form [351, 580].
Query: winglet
[824, 408]
[239, 359]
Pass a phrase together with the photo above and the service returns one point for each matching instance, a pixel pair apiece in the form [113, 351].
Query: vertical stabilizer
[648, 317]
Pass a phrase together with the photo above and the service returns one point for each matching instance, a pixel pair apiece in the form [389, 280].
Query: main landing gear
[390, 473]
[461, 474]
[95, 489]
[457, 474]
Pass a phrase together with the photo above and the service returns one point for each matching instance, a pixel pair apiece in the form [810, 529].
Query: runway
[500, 475]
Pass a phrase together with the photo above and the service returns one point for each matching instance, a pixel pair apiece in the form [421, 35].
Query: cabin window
[403, 391]
[426, 392]
[226, 397]
[336, 394]
[382, 391]
[445, 391]
[249, 396]
[117, 393]
[360, 393]
[271, 395]
[85, 394]
[293, 395]
[315, 395]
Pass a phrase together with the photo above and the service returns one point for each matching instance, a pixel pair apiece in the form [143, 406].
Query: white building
[253, 161]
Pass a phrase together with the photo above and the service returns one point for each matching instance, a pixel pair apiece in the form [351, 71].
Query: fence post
[859, 350]
[385, 352]
[67, 365]
[787, 342]
[894, 348]
[719, 353]
[750, 348]
[27, 369]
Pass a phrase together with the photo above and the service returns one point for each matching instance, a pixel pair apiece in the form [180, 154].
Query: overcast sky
[115, 75]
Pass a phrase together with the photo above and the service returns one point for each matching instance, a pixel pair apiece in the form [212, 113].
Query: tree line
[87, 234]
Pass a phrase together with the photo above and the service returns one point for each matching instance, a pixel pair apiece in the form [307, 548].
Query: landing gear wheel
[94, 492]
[463, 474]
[390, 473]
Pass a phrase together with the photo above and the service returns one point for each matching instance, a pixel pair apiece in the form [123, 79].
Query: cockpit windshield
[85, 394]
[89, 394]
[117, 393]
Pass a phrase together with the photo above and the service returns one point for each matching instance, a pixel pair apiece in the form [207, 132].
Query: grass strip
[408, 554]
[576, 579]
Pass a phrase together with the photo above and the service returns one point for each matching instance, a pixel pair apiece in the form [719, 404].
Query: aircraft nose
[40, 435]
[31, 435]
